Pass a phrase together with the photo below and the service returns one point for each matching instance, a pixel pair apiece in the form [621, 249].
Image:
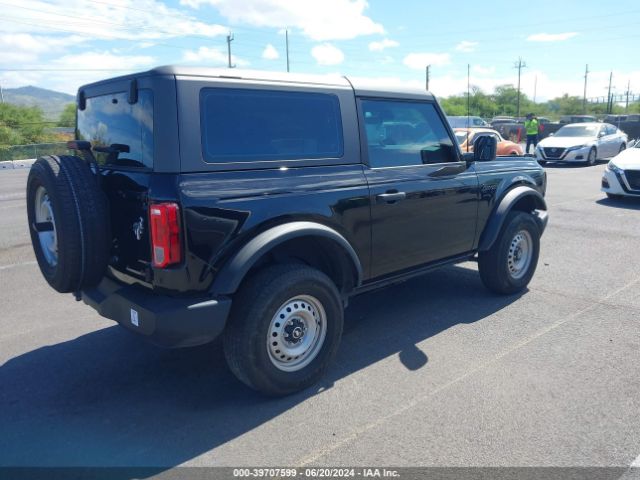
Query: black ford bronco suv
[201, 204]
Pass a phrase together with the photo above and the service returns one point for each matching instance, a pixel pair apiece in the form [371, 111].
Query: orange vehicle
[505, 147]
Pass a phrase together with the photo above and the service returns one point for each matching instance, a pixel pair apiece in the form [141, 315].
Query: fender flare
[235, 268]
[494, 225]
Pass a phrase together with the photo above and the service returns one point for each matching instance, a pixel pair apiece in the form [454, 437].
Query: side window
[611, 130]
[403, 133]
[243, 125]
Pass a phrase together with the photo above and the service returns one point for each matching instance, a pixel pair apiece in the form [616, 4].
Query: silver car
[582, 142]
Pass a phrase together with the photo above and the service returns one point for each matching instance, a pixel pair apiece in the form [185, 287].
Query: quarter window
[405, 133]
[242, 125]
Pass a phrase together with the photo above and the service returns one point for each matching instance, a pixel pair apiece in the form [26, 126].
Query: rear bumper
[165, 321]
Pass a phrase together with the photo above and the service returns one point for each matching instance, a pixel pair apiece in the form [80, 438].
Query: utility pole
[468, 92]
[427, 73]
[584, 96]
[520, 65]
[626, 108]
[229, 40]
[286, 39]
[609, 99]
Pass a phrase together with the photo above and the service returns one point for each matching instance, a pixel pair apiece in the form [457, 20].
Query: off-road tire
[255, 304]
[81, 215]
[493, 264]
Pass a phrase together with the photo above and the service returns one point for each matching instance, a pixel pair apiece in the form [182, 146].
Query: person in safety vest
[532, 127]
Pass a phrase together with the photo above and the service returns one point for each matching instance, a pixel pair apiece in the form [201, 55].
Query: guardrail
[33, 150]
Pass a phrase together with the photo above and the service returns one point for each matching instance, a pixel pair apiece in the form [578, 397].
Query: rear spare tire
[68, 221]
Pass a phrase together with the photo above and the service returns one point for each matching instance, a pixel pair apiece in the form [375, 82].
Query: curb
[16, 164]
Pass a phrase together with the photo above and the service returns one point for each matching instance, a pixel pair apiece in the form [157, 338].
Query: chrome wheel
[591, 159]
[45, 226]
[296, 333]
[520, 254]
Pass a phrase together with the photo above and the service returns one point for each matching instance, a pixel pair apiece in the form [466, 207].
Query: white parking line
[353, 436]
[14, 265]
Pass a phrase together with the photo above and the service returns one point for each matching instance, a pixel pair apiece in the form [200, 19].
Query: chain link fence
[34, 150]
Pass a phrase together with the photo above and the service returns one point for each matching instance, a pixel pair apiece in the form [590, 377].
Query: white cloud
[327, 54]
[104, 60]
[418, 61]
[381, 45]
[270, 53]
[480, 70]
[212, 56]
[16, 48]
[319, 20]
[466, 46]
[551, 37]
[124, 20]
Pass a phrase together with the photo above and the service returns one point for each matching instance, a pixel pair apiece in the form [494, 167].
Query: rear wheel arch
[519, 198]
[309, 243]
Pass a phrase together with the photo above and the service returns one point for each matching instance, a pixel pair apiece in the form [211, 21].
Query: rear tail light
[164, 219]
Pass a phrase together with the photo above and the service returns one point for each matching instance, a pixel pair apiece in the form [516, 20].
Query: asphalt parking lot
[436, 371]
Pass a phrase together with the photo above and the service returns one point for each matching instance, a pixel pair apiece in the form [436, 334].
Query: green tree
[68, 116]
[19, 125]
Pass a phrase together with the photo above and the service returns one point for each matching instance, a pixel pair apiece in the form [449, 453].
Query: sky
[62, 44]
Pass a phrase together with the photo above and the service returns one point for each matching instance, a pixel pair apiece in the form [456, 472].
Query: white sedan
[582, 142]
[622, 175]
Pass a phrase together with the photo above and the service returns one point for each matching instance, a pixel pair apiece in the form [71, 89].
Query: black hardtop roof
[362, 86]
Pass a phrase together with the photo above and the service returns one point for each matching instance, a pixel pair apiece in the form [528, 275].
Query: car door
[424, 197]
[602, 142]
[610, 141]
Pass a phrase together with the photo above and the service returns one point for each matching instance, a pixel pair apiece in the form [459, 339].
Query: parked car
[582, 142]
[503, 119]
[255, 206]
[467, 122]
[614, 119]
[466, 138]
[622, 175]
[578, 119]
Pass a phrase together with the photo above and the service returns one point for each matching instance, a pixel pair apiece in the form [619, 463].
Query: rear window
[243, 125]
[125, 129]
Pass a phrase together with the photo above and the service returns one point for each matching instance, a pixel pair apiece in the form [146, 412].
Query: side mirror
[551, 134]
[484, 148]
[601, 134]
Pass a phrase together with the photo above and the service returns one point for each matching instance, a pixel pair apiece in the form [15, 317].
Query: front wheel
[508, 266]
[622, 148]
[593, 155]
[285, 328]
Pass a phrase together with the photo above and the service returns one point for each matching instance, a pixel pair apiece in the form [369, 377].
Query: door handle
[391, 197]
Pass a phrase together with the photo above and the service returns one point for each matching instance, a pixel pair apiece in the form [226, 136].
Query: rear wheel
[284, 330]
[508, 266]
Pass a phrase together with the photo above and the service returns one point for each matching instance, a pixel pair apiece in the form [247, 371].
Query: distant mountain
[51, 102]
